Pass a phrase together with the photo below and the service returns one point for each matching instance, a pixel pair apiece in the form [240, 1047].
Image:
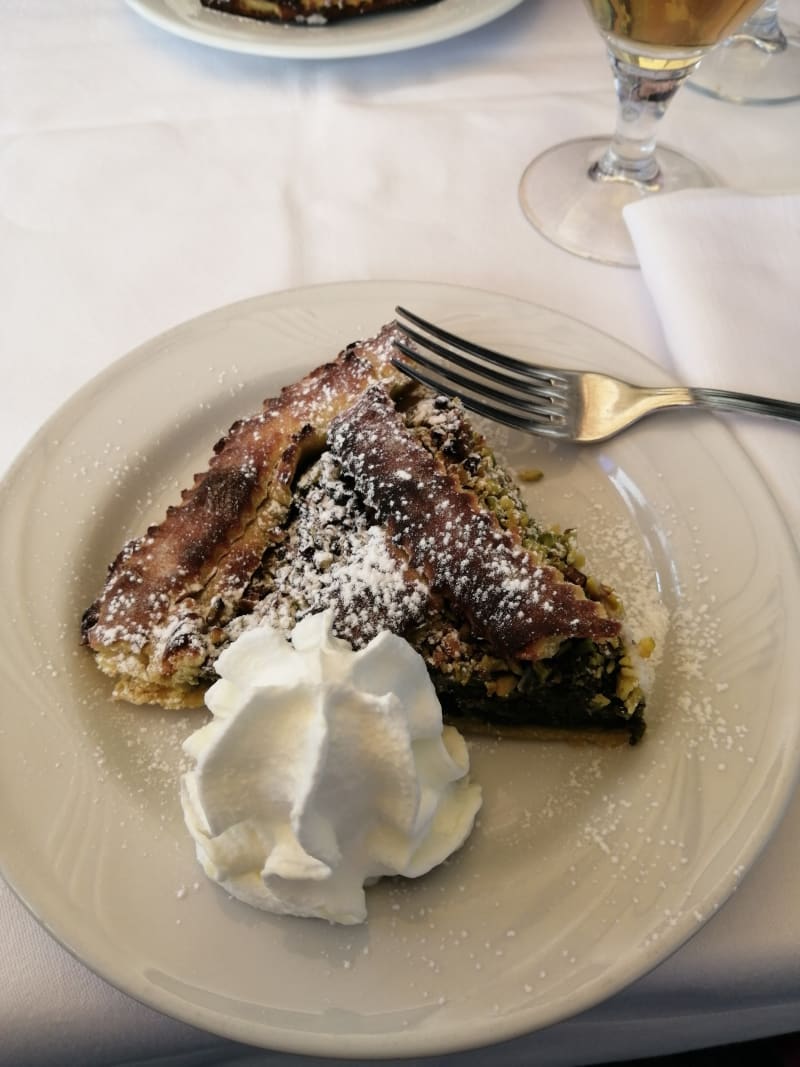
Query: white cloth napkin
[723, 269]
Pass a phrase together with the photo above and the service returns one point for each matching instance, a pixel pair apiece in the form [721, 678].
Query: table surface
[145, 179]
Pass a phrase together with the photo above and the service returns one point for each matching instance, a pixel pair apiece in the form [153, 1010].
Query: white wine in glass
[574, 193]
[683, 25]
[758, 64]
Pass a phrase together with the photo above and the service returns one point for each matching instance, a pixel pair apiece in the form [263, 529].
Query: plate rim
[420, 1045]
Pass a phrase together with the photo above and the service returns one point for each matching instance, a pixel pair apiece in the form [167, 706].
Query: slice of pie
[356, 490]
[310, 12]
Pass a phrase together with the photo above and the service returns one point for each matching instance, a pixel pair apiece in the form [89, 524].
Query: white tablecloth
[145, 179]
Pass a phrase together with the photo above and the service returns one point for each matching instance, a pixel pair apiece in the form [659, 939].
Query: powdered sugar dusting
[335, 557]
[461, 549]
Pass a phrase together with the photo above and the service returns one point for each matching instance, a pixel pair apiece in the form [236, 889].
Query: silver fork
[581, 406]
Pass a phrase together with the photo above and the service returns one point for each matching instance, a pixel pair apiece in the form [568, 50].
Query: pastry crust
[166, 591]
[514, 601]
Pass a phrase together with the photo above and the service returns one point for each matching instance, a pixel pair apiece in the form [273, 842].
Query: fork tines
[495, 385]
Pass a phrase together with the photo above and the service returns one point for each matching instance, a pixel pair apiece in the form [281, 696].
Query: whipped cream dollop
[323, 770]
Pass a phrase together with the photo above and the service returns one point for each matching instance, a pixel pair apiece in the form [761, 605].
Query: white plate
[589, 866]
[370, 35]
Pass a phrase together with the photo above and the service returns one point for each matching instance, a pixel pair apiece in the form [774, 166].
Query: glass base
[746, 72]
[583, 215]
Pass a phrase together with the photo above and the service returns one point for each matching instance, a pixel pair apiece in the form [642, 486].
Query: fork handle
[745, 402]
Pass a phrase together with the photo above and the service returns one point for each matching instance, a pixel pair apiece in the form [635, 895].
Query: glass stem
[763, 30]
[642, 97]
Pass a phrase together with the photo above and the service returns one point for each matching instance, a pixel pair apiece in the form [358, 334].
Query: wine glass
[574, 193]
[758, 64]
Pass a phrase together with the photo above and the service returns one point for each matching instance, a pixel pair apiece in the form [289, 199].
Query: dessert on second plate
[357, 491]
[309, 12]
